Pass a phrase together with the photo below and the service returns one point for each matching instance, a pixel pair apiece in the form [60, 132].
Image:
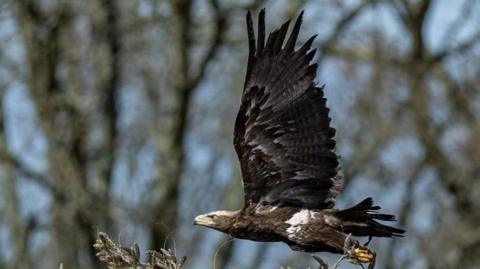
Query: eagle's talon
[360, 255]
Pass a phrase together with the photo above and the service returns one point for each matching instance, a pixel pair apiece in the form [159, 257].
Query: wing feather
[282, 133]
[261, 30]
[290, 46]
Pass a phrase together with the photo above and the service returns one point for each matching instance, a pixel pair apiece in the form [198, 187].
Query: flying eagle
[286, 148]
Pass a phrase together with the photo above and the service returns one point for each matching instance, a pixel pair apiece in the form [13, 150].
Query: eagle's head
[218, 220]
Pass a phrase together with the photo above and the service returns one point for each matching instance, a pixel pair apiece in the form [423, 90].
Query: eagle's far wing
[282, 132]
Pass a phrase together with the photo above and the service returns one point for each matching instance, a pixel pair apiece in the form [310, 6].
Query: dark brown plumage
[286, 149]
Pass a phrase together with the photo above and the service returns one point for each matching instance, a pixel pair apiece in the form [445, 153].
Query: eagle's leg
[368, 241]
[358, 254]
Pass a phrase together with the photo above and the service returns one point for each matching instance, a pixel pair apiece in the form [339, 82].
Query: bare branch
[220, 26]
[117, 256]
[26, 172]
[465, 46]
[341, 25]
[465, 13]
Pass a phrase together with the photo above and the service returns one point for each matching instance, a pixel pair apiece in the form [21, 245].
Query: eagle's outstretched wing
[282, 132]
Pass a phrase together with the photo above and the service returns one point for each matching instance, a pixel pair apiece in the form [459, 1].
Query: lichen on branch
[117, 256]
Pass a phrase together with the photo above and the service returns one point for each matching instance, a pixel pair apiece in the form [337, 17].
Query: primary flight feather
[286, 149]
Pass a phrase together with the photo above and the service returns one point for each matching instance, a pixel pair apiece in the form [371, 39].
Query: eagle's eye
[211, 216]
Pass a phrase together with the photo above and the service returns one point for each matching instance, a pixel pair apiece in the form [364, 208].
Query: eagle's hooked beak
[204, 220]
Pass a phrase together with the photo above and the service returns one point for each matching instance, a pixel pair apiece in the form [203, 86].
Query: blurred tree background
[117, 116]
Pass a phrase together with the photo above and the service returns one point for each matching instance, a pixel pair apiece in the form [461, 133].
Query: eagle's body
[286, 149]
[304, 230]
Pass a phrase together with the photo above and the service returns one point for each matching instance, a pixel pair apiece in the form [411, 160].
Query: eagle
[286, 149]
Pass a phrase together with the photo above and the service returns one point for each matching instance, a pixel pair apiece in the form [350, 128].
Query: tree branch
[119, 257]
[325, 46]
[220, 26]
[466, 45]
[26, 172]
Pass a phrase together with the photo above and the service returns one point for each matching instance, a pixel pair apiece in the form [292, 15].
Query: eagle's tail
[361, 220]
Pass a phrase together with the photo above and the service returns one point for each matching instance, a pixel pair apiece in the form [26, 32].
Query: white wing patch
[297, 221]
